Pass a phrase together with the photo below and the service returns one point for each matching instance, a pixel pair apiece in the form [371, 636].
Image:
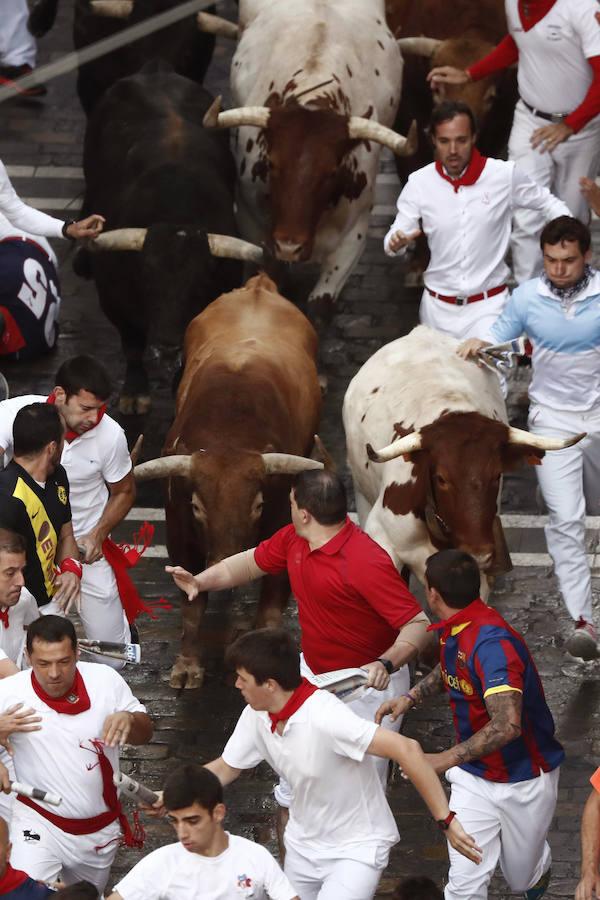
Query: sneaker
[539, 889]
[583, 643]
[8, 74]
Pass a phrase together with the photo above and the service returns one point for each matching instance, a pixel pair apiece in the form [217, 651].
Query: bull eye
[441, 481]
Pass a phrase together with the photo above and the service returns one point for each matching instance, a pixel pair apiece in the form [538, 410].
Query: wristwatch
[444, 824]
[64, 229]
[387, 664]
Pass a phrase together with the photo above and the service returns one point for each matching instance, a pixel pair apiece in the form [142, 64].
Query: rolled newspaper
[346, 684]
[503, 353]
[17, 787]
[133, 789]
[131, 653]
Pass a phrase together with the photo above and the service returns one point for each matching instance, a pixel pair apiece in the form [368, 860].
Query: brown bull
[247, 409]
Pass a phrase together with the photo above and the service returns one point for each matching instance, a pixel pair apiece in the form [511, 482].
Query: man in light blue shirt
[560, 313]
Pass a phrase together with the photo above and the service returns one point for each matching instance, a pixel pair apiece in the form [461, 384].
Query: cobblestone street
[40, 143]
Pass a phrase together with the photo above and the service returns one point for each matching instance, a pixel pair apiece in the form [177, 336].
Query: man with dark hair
[504, 769]
[463, 202]
[34, 502]
[207, 863]
[354, 608]
[18, 608]
[560, 313]
[97, 462]
[341, 828]
[88, 713]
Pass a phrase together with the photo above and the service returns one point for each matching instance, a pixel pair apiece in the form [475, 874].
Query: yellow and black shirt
[38, 513]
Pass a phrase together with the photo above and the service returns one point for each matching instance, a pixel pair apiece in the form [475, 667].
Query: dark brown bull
[247, 409]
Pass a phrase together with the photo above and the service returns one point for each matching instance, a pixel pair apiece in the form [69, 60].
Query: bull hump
[403, 499]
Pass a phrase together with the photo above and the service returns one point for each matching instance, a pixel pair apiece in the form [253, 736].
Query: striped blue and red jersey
[481, 655]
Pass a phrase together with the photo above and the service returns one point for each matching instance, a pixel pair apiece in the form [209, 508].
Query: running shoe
[539, 889]
[583, 643]
[9, 74]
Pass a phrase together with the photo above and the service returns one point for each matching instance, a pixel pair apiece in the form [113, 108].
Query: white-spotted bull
[247, 408]
[427, 444]
[184, 45]
[321, 83]
[166, 187]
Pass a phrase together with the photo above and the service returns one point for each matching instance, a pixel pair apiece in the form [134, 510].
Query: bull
[439, 425]
[321, 83]
[247, 408]
[186, 46]
[165, 186]
[458, 34]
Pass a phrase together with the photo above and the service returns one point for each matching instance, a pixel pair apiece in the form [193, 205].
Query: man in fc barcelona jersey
[34, 502]
[504, 768]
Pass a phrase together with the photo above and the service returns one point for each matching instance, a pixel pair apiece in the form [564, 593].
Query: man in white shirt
[102, 487]
[464, 203]
[208, 863]
[340, 829]
[18, 49]
[18, 608]
[555, 136]
[87, 713]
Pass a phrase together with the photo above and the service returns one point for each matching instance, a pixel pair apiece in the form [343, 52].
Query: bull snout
[291, 251]
[484, 557]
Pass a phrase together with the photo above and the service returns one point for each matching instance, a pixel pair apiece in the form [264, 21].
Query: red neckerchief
[71, 435]
[4, 616]
[75, 701]
[304, 690]
[471, 173]
[537, 10]
[470, 613]
[12, 879]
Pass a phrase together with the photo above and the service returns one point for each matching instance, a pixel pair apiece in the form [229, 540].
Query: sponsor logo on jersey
[461, 658]
[457, 684]
[31, 835]
[62, 494]
[244, 881]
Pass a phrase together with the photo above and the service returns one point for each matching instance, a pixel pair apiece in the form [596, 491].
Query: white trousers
[462, 322]
[365, 706]
[559, 171]
[45, 852]
[570, 482]
[510, 823]
[102, 613]
[17, 45]
[331, 879]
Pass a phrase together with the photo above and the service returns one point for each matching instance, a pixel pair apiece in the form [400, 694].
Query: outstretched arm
[589, 884]
[228, 573]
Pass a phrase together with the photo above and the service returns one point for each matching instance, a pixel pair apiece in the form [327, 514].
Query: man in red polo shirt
[354, 608]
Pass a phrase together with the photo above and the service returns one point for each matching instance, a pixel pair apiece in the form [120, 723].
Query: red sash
[4, 616]
[471, 173]
[75, 701]
[71, 435]
[300, 695]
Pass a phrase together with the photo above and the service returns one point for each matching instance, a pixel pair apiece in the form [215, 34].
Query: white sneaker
[583, 643]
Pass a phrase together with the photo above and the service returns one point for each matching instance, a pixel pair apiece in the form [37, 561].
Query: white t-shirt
[9, 230]
[553, 71]
[244, 870]
[12, 639]
[339, 807]
[95, 458]
[25, 217]
[469, 230]
[60, 757]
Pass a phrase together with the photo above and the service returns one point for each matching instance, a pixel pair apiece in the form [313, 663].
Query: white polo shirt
[553, 73]
[12, 639]
[60, 757]
[243, 870]
[469, 230]
[339, 810]
[95, 458]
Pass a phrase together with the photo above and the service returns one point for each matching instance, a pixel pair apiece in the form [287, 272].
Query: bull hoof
[187, 674]
[320, 311]
[137, 405]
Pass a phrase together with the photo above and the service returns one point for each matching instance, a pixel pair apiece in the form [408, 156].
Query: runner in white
[341, 829]
[208, 863]
[88, 712]
[102, 486]
[556, 129]
[464, 203]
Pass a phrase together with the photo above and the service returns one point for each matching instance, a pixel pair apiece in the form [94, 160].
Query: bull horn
[419, 46]
[136, 450]
[165, 467]
[119, 239]
[234, 248]
[287, 464]
[233, 118]
[216, 25]
[112, 9]
[407, 444]
[366, 130]
[540, 441]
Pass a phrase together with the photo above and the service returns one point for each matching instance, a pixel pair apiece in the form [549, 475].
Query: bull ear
[515, 456]
[533, 459]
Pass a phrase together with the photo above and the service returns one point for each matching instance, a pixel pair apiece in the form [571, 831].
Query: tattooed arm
[427, 687]
[504, 710]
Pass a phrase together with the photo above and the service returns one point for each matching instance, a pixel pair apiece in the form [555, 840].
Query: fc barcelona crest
[62, 494]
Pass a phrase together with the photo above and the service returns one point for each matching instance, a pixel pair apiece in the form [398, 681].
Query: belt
[25, 240]
[549, 117]
[473, 298]
[73, 826]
